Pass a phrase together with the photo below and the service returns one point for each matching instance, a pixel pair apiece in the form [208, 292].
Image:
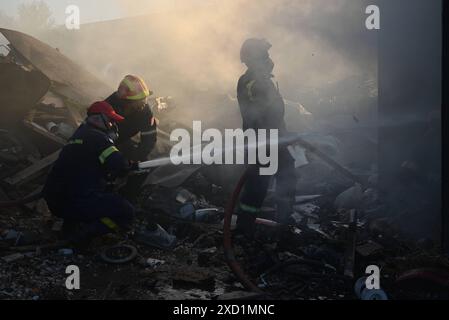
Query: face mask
[113, 135]
[101, 122]
[113, 132]
[264, 67]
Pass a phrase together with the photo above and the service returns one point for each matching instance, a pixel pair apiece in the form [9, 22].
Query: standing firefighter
[262, 107]
[78, 186]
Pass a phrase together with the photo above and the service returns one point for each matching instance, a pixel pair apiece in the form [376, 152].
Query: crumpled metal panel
[20, 90]
[68, 77]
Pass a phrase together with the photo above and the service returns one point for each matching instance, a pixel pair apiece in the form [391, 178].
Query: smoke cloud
[195, 46]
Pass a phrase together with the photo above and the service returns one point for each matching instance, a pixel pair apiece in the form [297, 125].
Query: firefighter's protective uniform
[76, 188]
[138, 120]
[262, 107]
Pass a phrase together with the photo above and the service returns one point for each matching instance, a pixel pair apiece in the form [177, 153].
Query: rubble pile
[320, 257]
[338, 228]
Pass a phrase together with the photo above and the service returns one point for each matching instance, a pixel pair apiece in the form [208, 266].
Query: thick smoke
[196, 46]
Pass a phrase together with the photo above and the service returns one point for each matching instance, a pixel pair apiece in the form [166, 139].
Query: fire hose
[227, 239]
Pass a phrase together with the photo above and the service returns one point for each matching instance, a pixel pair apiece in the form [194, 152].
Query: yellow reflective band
[249, 86]
[76, 141]
[106, 153]
[129, 85]
[139, 96]
[110, 224]
[133, 88]
[142, 83]
[249, 208]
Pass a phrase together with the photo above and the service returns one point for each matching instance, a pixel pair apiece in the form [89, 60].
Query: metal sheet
[69, 78]
[20, 90]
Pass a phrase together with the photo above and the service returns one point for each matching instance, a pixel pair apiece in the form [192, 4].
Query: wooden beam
[32, 170]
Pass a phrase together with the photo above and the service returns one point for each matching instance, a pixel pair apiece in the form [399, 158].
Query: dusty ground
[302, 263]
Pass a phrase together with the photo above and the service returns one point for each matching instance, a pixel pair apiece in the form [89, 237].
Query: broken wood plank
[32, 170]
[41, 130]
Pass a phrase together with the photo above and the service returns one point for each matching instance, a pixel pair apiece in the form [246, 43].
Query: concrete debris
[308, 210]
[184, 196]
[153, 263]
[368, 249]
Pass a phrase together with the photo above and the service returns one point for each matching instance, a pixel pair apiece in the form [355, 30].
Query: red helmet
[102, 107]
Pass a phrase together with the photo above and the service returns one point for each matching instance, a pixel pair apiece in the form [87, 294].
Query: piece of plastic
[159, 238]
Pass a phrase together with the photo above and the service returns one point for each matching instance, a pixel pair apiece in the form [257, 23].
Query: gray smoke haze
[196, 47]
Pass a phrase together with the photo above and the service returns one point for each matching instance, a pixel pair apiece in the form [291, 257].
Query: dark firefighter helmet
[254, 49]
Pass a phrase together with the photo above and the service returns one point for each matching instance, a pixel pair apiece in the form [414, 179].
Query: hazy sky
[96, 10]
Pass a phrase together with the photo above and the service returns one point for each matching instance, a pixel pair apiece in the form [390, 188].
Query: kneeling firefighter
[77, 186]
